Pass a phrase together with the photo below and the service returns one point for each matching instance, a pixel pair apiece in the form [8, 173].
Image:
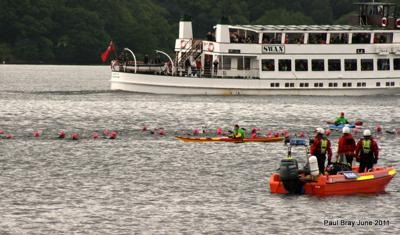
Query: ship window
[306, 84]
[339, 38]
[383, 64]
[286, 84]
[317, 38]
[301, 84]
[335, 84]
[361, 84]
[350, 64]
[387, 83]
[243, 63]
[334, 65]
[383, 38]
[378, 84]
[347, 84]
[285, 65]
[268, 65]
[396, 64]
[243, 36]
[361, 38]
[367, 64]
[301, 65]
[274, 84]
[294, 38]
[317, 65]
[392, 83]
[271, 38]
[291, 84]
[226, 63]
[320, 84]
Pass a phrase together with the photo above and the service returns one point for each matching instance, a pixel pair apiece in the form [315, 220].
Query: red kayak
[342, 183]
[228, 139]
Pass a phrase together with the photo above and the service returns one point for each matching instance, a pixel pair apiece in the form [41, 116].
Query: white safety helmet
[367, 133]
[320, 130]
[346, 130]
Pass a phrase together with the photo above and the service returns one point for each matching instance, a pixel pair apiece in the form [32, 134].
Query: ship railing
[191, 50]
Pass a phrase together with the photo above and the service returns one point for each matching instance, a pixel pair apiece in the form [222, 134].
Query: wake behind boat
[228, 139]
[327, 60]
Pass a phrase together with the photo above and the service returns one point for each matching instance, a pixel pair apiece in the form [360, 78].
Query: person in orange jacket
[320, 147]
[367, 152]
[347, 146]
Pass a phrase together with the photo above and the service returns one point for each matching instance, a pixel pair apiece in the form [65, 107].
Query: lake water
[146, 183]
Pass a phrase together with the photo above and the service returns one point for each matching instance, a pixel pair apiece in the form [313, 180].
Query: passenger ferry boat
[362, 58]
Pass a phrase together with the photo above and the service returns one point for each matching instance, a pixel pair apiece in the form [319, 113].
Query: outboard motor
[289, 175]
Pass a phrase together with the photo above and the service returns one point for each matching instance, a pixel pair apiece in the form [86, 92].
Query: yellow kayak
[228, 139]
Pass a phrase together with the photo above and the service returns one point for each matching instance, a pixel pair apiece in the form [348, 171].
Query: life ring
[384, 22]
[398, 23]
[210, 47]
[183, 44]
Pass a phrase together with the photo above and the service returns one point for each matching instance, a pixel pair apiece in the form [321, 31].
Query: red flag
[109, 49]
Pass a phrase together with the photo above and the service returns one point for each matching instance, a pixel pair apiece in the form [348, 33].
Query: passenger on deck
[341, 120]
[320, 147]
[215, 63]
[238, 132]
[346, 146]
[367, 152]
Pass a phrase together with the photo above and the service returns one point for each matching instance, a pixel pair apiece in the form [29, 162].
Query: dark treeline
[76, 32]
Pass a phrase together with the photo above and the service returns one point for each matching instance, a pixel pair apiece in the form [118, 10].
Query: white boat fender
[313, 166]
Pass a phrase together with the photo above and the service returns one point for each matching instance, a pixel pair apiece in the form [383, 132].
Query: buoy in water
[161, 132]
[74, 136]
[301, 134]
[95, 135]
[328, 132]
[61, 134]
[219, 131]
[36, 134]
[113, 135]
[268, 134]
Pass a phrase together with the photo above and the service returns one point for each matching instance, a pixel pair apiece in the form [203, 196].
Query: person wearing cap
[346, 145]
[320, 147]
[341, 120]
[238, 132]
[367, 152]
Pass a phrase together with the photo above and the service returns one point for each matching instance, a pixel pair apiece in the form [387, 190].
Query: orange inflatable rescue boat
[291, 180]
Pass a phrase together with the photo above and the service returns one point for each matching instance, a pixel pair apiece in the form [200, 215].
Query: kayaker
[320, 147]
[238, 132]
[367, 152]
[341, 120]
[346, 146]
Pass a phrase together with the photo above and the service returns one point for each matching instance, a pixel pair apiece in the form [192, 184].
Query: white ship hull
[158, 84]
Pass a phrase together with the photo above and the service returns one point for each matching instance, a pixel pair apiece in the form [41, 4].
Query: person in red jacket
[367, 152]
[346, 146]
[320, 147]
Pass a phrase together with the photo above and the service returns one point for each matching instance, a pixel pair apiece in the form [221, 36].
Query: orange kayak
[344, 183]
[227, 139]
